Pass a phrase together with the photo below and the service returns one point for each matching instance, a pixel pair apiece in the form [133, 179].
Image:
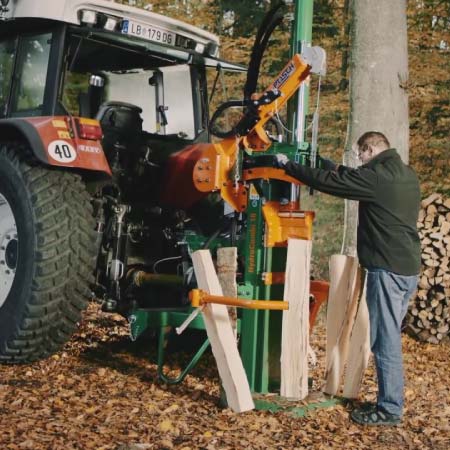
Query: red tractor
[94, 98]
[108, 179]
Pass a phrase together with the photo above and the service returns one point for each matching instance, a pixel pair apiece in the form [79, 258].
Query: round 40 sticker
[62, 151]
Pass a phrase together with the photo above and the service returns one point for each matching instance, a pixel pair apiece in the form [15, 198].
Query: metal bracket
[133, 330]
[199, 298]
[315, 57]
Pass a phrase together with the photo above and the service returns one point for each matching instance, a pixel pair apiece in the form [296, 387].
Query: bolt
[8, 237]
[2, 262]
[7, 272]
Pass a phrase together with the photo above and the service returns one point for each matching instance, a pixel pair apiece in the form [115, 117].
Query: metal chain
[133, 335]
[237, 175]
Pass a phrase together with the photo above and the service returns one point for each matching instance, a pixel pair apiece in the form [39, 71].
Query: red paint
[179, 190]
[89, 153]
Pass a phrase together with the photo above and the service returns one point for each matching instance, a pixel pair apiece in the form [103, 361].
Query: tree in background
[429, 53]
[378, 78]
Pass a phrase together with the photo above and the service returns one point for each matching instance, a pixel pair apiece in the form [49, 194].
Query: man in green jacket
[388, 248]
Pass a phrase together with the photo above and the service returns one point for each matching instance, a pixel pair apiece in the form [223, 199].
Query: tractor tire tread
[64, 258]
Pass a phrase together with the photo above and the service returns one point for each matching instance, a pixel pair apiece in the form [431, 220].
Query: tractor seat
[120, 117]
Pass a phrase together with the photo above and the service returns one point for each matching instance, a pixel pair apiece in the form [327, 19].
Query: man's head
[371, 144]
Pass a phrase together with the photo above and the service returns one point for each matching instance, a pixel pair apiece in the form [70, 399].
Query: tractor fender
[54, 141]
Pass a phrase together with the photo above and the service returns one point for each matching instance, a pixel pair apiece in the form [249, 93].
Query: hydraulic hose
[271, 20]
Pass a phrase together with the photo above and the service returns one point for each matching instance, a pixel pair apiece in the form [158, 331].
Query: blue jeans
[387, 300]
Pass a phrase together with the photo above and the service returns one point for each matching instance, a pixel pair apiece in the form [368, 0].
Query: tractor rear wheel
[46, 255]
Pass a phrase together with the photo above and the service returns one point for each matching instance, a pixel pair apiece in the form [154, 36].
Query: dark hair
[374, 138]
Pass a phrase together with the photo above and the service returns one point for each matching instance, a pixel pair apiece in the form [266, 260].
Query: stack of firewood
[429, 313]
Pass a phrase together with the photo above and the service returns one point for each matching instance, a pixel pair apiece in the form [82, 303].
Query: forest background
[101, 392]
[236, 22]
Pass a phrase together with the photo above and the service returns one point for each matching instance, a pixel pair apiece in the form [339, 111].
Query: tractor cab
[106, 61]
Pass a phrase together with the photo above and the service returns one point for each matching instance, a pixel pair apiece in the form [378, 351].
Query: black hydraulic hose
[277, 124]
[217, 113]
[271, 20]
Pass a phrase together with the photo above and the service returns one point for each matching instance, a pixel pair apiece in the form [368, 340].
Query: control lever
[162, 111]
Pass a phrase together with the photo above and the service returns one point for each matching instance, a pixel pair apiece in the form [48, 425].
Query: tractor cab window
[164, 95]
[34, 52]
[105, 69]
[7, 52]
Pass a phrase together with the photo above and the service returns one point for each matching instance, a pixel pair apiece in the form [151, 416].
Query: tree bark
[378, 77]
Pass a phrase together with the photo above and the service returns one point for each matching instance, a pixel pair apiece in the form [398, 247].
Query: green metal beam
[261, 330]
[301, 37]
[280, 404]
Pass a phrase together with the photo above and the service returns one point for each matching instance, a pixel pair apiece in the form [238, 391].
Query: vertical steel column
[261, 330]
[254, 336]
[301, 37]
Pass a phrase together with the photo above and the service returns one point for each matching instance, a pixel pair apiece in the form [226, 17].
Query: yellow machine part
[282, 225]
[214, 172]
[214, 168]
[287, 82]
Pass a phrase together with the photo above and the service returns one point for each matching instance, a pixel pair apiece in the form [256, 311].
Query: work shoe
[373, 416]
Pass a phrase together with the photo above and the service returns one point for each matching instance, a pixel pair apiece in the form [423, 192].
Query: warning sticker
[253, 193]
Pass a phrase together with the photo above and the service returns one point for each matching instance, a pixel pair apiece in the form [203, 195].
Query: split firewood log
[428, 317]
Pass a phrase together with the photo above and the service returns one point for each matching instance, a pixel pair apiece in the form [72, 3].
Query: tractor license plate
[150, 33]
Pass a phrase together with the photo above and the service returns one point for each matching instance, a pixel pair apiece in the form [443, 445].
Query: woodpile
[429, 313]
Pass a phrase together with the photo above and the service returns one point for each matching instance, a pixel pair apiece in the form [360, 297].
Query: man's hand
[281, 160]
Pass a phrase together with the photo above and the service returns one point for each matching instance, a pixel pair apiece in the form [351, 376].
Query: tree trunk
[378, 77]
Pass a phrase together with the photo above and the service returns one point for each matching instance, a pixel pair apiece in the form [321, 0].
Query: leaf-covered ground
[102, 392]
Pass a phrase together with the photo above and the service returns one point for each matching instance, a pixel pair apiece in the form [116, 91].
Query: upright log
[226, 271]
[295, 332]
[342, 305]
[221, 336]
[359, 347]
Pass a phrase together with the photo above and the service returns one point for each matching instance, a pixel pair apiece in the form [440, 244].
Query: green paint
[252, 342]
[192, 363]
[301, 34]
[280, 404]
[140, 320]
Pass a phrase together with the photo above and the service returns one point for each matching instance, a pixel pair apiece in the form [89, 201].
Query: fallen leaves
[103, 394]
[165, 426]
